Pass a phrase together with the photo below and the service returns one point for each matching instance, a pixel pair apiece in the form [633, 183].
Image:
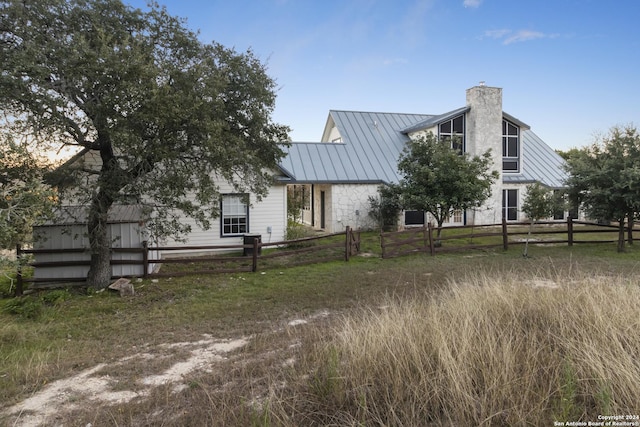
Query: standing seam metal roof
[373, 142]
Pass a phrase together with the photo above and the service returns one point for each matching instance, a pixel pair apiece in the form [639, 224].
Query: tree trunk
[621, 235]
[99, 275]
[525, 253]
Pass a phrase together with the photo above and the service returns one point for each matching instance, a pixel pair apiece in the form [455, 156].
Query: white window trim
[243, 200]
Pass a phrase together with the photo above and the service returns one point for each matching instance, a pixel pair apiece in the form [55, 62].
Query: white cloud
[509, 36]
[472, 3]
[523, 36]
[496, 34]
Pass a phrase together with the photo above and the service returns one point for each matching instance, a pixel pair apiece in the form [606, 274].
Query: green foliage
[567, 405]
[385, 208]
[161, 114]
[438, 180]
[296, 201]
[539, 203]
[295, 231]
[55, 297]
[605, 177]
[24, 199]
[23, 307]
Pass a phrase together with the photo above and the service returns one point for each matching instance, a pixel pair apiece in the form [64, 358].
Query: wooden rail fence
[317, 249]
[424, 239]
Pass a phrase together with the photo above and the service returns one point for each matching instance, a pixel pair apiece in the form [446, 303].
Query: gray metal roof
[434, 120]
[539, 164]
[369, 153]
[372, 143]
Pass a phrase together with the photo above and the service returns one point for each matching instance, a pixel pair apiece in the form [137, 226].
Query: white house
[360, 150]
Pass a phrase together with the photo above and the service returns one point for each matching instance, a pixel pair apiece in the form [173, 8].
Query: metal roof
[369, 153]
[434, 120]
[372, 143]
[539, 164]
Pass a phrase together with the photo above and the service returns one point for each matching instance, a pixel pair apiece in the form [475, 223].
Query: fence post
[432, 249]
[347, 244]
[630, 230]
[505, 235]
[145, 259]
[570, 230]
[254, 266]
[19, 290]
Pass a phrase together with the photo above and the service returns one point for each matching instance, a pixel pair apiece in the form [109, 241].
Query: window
[414, 218]
[456, 216]
[510, 205]
[510, 147]
[453, 130]
[234, 215]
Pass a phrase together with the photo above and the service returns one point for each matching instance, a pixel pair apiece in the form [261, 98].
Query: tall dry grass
[489, 351]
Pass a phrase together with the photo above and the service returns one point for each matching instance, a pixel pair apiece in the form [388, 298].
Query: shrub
[24, 307]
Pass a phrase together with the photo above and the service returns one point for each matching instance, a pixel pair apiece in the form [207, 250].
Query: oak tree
[604, 178]
[158, 114]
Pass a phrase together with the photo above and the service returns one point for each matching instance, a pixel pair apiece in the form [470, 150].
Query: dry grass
[395, 373]
[488, 351]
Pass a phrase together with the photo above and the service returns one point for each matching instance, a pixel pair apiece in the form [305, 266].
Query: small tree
[295, 203]
[437, 179]
[539, 203]
[605, 178]
[385, 208]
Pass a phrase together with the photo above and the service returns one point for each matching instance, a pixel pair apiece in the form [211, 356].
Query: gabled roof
[369, 153]
[539, 164]
[372, 143]
[434, 120]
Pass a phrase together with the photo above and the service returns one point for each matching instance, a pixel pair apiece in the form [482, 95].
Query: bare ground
[135, 377]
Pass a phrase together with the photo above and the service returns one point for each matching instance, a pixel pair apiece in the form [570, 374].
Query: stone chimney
[484, 120]
[484, 131]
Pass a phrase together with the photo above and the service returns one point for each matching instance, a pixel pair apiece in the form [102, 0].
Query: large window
[453, 130]
[510, 147]
[510, 205]
[234, 215]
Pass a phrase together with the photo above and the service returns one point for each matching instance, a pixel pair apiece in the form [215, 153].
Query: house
[240, 215]
[359, 151]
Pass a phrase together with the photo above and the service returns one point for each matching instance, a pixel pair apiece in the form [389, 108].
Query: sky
[570, 69]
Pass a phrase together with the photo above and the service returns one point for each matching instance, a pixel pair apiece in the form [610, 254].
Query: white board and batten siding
[267, 217]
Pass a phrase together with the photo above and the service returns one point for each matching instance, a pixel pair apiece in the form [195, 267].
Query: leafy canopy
[539, 203]
[437, 179]
[158, 115]
[24, 198]
[162, 111]
[604, 178]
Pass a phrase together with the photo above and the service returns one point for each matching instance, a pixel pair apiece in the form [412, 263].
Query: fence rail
[324, 248]
[425, 239]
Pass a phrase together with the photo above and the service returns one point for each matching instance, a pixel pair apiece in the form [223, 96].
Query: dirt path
[94, 387]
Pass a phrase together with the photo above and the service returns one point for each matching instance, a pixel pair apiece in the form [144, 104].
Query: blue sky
[568, 68]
